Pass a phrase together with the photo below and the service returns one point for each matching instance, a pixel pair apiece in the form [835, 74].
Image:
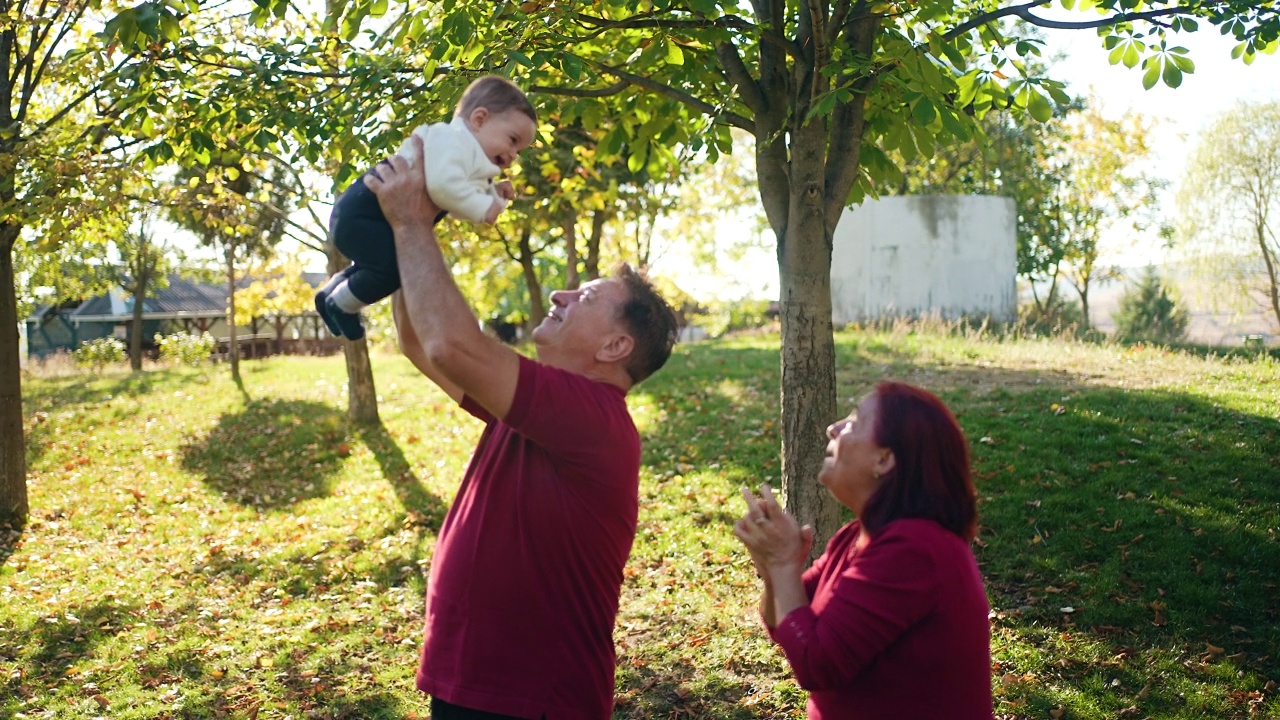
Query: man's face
[580, 322]
[502, 135]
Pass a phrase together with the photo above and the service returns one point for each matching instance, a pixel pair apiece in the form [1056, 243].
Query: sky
[1216, 85]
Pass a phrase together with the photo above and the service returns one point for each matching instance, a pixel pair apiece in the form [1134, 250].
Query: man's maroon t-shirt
[528, 565]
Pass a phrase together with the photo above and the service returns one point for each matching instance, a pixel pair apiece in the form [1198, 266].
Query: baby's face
[502, 135]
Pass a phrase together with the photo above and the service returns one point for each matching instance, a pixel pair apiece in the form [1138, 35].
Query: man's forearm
[435, 306]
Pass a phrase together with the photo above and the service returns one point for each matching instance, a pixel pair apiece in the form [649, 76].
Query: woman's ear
[885, 463]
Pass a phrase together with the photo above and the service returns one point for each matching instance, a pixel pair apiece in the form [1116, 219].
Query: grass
[200, 551]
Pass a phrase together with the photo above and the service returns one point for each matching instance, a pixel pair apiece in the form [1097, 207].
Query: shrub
[719, 318]
[1148, 313]
[186, 349]
[99, 353]
[1058, 317]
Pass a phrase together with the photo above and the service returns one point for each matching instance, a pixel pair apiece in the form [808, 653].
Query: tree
[143, 270]
[58, 161]
[1102, 186]
[1230, 204]
[1148, 313]
[826, 88]
[214, 205]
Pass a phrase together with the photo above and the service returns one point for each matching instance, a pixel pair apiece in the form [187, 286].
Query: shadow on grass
[422, 507]
[51, 647]
[1150, 513]
[272, 454]
[1143, 520]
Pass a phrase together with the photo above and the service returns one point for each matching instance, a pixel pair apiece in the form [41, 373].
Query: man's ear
[617, 348]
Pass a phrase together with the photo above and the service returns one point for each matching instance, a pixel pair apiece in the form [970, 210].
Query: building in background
[949, 256]
[185, 306]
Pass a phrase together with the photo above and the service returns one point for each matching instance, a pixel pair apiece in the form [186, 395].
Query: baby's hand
[495, 210]
[505, 190]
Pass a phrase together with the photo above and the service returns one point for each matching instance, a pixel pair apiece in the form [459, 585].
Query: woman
[891, 621]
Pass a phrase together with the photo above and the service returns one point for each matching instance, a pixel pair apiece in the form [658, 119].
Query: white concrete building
[947, 255]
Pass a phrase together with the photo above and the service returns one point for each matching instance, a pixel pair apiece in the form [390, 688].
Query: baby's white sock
[345, 300]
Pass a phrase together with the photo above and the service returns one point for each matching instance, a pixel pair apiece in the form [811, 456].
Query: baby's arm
[504, 193]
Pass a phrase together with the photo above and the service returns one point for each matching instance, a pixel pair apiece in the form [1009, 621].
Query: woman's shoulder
[919, 530]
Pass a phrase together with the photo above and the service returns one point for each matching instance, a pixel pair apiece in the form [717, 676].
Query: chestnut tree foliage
[828, 89]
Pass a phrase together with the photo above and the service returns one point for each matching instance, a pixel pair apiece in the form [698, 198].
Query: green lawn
[199, 551]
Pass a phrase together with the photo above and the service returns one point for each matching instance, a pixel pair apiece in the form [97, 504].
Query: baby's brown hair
[495, 94]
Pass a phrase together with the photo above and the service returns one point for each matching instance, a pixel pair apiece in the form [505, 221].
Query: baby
[493, 122]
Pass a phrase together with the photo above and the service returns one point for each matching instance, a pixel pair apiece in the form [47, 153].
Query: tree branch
[682, 97]
[846, 128]
[738, 75]
[613, 89]
[1024, 12]
[75, 102]
[649, 20]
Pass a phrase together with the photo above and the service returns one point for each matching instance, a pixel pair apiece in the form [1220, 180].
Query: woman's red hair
[930, 478]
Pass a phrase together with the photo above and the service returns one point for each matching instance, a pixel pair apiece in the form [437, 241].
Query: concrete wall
[949, 255]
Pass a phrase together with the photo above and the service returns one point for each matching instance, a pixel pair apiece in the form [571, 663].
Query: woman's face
[854, 463]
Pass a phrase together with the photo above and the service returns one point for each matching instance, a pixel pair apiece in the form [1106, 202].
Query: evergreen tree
[1148, 313]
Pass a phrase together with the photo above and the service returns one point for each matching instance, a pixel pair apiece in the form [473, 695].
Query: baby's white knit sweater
[459, 175]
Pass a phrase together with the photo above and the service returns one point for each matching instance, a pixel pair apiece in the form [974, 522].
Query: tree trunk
[135, 324]
[591, 264]
[1084, 305]
[13, 451]
[808, 347]
[233, 347]
[362, 396]
[571, 277]
[536, 309]
[1269, 260]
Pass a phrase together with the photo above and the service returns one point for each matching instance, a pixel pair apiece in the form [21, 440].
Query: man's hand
[402, 189]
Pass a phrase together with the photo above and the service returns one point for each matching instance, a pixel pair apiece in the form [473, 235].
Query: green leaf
[1184, 63]
[1040, 107]
[954, 56]
[520, 57]
[1172, 75]
[170, 28]
[953, 125]
[1238, 50]
[377, 8]
[572, 66]
[924, 112]
[968, 87]
[675, 56]
[636, 162]
[1152, 75]
[1131, 55]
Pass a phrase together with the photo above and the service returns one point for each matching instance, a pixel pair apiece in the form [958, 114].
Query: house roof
[182, 298]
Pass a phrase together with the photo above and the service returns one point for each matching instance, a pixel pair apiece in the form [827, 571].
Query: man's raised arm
[443, 337]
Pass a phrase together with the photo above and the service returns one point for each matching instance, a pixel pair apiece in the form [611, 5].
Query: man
[528, 565]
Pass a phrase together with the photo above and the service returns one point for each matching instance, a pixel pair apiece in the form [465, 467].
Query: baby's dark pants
[362, 233]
